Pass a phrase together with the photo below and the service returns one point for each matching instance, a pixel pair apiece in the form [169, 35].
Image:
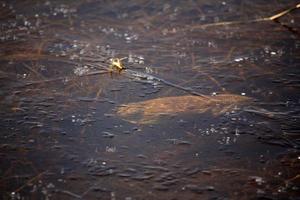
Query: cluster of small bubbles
[75, 45]
[106, 49]
[91, 161]
[267, 50]
[233, 114]
[257, 179]
[82, 119]
[18, 27]
[211, 44]
[228, 135]
[156, 85]
[66, 80]
[202, 17]
[174, 14]
[39, 186]
[24, 76]
[208, 131]
[135, 59]
[181, 54]
[10, 7]
[63, 10]
[62, 49]
[167, 31]
[227, 138]
[148, 70]
[15, 196]
[213, 60]
[128, 37]
[122, 15]
[140, 59]
[108, 30]
[130, 58]
[110, 149]
[81, 70]
[240, 59]
[78, 49]
[50, 186]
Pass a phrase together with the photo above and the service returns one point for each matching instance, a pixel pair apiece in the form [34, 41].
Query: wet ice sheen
[200, 109]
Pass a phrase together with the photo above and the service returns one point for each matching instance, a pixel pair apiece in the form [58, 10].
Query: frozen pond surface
[203, 110]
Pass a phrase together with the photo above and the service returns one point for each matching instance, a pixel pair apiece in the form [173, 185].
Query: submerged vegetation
[150, 111]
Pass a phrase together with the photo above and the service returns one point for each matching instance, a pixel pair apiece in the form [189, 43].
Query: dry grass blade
[272, 18]
[275, 17]
[30, 181]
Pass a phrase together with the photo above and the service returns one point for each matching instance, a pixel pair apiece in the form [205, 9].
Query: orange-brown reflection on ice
[147, 112]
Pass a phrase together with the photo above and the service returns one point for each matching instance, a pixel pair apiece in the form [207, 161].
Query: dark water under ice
[202, 112]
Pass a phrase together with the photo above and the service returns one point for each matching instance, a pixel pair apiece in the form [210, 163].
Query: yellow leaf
[116, 62]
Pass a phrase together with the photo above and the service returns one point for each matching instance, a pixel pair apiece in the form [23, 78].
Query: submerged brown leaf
[150, 111]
